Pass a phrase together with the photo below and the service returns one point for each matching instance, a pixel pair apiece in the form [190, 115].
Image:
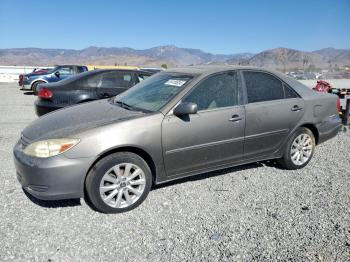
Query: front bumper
[51, 178]
[329, 128]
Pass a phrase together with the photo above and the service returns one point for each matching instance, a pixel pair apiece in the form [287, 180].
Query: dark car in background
[58, 73]
[88, 86]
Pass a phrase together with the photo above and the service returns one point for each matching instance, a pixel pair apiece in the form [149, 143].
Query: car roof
[121, 70]
[68, 65]
[210, 69]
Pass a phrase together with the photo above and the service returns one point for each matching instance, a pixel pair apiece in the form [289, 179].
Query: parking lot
[252, 212]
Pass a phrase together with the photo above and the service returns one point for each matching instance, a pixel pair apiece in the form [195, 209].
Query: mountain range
[285, 58]
[278, 58]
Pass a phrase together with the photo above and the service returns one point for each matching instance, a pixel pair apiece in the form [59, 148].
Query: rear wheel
[35, 85]
[299, 149]
[118, 183]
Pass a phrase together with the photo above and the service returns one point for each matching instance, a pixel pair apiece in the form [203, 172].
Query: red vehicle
[323, 86]
[35, 71]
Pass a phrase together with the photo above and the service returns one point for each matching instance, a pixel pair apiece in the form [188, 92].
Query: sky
[221, 27]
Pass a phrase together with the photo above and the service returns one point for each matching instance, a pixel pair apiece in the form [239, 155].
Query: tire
[110, 190]
[305, 150]
[35, 85]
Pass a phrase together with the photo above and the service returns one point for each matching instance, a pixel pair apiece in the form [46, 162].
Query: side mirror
[57, 73]
[185, 109]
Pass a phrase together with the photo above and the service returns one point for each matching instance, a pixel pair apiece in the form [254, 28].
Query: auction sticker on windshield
[175, 82]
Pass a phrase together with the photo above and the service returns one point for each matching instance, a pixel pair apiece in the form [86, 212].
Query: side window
[92, 80]
[112, 79]
[262, 87]
[65, 71]
[80, 69]
[217, 91]
[288, 92]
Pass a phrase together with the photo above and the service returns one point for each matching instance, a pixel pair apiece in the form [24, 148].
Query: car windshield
[154, 92]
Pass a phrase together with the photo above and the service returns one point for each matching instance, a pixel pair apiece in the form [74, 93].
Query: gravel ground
[253, 212]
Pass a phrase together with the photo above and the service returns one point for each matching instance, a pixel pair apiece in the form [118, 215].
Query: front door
[211, 138]
[273, 110]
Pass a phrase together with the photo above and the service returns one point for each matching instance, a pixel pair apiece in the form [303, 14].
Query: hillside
[278, 58]
[285, 58]
[155, 56]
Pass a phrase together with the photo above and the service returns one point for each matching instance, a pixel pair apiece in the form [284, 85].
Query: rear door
[114, 82]
[273, 110]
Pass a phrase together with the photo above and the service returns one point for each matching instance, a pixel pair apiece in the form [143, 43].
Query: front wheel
[118, 183]
[299, 149]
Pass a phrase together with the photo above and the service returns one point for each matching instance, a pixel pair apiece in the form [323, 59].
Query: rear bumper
[329, 128]
[51, 178]
[41, 109]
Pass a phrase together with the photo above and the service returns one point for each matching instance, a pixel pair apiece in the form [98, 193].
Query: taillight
[45, 93]
[338, 104]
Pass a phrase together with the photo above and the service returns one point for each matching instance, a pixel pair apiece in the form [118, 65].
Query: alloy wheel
[301, 149]
[122, 185]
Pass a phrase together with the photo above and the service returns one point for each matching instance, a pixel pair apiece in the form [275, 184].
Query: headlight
[51, 147]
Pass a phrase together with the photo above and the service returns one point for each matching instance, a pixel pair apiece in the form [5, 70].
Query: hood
[72, 120]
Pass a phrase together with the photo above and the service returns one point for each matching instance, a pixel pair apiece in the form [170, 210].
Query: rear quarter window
[289, 92]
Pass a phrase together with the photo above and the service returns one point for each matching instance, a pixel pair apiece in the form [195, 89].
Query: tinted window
[217, 91]
[115, 79]
[80, 69]
[262, 87]
[110, 80]
[92, 80]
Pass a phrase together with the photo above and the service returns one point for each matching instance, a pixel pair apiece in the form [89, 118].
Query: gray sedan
[177, 123]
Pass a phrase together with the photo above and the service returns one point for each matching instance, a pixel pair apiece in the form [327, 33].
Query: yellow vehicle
[93, 67]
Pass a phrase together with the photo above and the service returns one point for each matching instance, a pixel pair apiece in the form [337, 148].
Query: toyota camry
[177, 123]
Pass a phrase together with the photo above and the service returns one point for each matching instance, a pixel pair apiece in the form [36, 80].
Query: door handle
[296, 108]
[235, 118]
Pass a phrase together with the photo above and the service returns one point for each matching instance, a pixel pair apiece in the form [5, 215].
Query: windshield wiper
[129, 107]
[126, 106]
